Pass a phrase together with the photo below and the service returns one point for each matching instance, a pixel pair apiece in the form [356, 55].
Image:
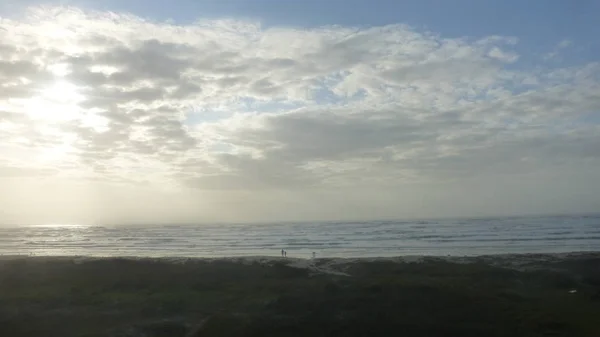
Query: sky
[136, 111]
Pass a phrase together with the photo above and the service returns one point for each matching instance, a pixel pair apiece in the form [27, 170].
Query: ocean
[326, 239]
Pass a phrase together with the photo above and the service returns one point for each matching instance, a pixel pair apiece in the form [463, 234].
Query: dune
[492, 295]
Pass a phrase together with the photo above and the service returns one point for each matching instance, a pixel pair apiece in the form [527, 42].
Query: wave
[588, 238]
[376, 238]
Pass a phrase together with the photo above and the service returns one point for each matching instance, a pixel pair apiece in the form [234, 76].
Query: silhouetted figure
[282, 252]
[314, 255]
[285, 253]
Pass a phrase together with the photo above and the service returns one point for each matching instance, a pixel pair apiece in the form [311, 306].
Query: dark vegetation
[121, 297]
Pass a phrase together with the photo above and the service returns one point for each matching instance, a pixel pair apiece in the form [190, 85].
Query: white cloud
[230, 113]
[498, 54]
[564, 44]
[554, 54]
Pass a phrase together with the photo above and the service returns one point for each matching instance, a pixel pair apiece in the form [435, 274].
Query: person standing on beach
[282, 252]
[285, 253]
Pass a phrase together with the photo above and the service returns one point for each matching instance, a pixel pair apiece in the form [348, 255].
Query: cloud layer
[229, 114]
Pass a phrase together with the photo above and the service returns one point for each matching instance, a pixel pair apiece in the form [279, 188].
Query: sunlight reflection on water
[330, 239]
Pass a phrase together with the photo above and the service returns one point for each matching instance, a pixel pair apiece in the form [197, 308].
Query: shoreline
[334, 265]
[399, 258]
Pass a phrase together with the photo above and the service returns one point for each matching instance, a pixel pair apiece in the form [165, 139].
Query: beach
[491, 295]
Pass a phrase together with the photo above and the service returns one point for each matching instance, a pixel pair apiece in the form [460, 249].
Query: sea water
[326, 239]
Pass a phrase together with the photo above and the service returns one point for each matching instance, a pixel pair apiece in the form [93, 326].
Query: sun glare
[62, 92]
[60, 226]
[56, 103]
[59, 69]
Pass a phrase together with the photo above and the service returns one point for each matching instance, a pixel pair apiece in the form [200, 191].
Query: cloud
[229, 108]
[558, 49]
[498, 54]
[564, 44]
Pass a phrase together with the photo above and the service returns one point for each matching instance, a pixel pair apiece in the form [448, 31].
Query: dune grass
[123, 297]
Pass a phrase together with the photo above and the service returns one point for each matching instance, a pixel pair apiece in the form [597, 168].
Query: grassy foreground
[194, 297]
